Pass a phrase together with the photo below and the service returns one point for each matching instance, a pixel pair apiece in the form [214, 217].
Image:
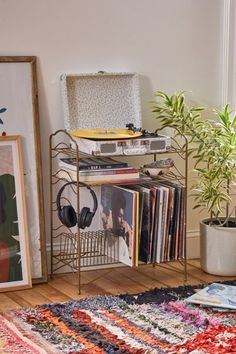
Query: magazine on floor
[215, 295]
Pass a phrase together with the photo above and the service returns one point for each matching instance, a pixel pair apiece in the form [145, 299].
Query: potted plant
[212, 144]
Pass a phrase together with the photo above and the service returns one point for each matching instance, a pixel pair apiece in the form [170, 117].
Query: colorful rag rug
[157, 321]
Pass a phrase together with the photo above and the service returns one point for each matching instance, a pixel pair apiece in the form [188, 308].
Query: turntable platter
[103, 134]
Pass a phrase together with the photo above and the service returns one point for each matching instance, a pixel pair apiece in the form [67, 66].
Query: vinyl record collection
[149, 219]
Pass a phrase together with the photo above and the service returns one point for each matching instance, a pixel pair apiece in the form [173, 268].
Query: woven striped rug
[157, 321]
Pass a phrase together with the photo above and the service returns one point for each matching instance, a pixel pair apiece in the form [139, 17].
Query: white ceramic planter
[218, 249]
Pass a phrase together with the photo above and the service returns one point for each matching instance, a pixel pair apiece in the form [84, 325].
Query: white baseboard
[193, 244]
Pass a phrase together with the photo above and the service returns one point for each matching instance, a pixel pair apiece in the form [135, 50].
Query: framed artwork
[19, 116]
[14, 242]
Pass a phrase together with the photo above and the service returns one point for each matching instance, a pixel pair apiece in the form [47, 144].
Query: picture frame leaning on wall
[19, 115]
[15, 270]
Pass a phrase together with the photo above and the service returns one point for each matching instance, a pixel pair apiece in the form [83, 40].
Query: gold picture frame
[15, 270]
[19, 115]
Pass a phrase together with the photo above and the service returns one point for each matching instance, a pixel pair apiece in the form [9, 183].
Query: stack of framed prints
[19, 117]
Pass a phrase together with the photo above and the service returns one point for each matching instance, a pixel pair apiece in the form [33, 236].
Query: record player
[107, 101]
[113, 142]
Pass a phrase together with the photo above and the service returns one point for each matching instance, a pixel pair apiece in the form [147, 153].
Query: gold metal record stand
[73, 249]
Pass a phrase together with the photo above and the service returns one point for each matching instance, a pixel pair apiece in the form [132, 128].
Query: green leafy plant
[212, 143]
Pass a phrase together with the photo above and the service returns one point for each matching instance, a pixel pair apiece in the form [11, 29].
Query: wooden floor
[121, 280]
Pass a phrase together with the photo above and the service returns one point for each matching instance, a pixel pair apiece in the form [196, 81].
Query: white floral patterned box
[101, 100]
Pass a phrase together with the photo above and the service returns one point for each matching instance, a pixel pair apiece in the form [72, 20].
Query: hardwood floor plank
[36, 299]
[162, 276]
[113, 281]
[109, 285]
[137, 277]
[192, 274]
[93, 289]
[6, 303]
[191, 278]
[67, 289]
[19, 300]
[54, 295]
[127, 284]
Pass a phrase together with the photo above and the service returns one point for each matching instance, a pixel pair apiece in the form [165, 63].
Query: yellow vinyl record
[102, 134]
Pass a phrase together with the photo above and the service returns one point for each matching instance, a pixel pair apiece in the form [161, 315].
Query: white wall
[172, 44]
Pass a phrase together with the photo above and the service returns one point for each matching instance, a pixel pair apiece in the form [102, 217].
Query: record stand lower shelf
[94, 250]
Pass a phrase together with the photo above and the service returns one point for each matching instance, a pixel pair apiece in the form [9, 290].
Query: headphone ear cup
[89, 218]
[67, 215]
[85, 218]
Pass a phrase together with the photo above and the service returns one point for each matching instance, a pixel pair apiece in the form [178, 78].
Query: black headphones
[67, 214]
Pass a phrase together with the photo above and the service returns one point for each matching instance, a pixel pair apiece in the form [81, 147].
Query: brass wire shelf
[72, 250]
[94, 250]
